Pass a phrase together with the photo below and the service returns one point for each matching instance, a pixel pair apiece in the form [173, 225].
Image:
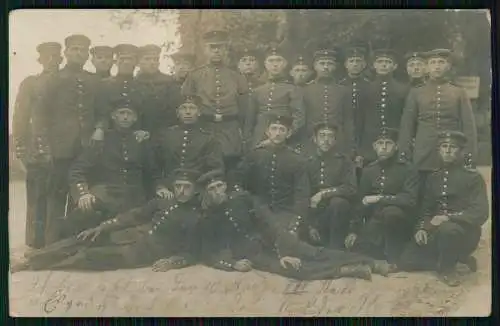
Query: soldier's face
[126, 64]
[416, 68]
[355, 65]
[275, 65]
[248, 65]
[300, 74]
[149, 63]
[188, 113]
[438, 67]
[277, 133]
[384, 66]
[50, 62]
[102, 62]
[216, 192]
[183, 190]
[77, 54]
[216, 52]
[385, 148]
[124, 118]
[324, 67]
[325, 139]
[449, 152]
[182, 68]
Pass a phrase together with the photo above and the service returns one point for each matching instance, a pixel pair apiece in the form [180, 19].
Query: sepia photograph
[250, 163]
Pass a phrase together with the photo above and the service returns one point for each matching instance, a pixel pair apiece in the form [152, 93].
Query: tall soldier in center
[326, 101]
[223, 93]
[67, 106]
[385, 101]
[159, 95]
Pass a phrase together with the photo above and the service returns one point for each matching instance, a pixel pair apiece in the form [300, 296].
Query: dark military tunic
[334, 172]
[417, 82]
[159, 98]
[277, 176]
[429, 110]
[114, 175]
[167, 228]
[460, 194]
[188, 147]
[358, 98]
[276, 97]
[224, 92]
[26, 127]
[326, 101]
[398, 183]
[385, 102]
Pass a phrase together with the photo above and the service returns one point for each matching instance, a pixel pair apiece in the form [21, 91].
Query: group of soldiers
[299, 173]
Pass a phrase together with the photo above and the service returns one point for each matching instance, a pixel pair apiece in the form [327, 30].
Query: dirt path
[200, 291]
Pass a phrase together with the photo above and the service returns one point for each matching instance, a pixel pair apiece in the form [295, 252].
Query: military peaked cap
[285, 120]
[415, 56]
[150, 49]
[49, 48]
[384, 53]
[325, 54]
[101, 50]
[451, 136]
[216, 37]
[77, 39]
[185, 175]
[325, 125]
[389, 133]
[125, 49]
[211, 177]
[355, 51]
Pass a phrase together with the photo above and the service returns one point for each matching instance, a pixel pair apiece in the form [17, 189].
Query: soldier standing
[454, 208]
[168, 241]
[102, 60]
[326, 101]
[416, 67]
[108, 180]
[25, 128]
[388, 191]
[433, 108]
[276, 97]
[277, 176]
[357, 83]
[67, 108]
[183, 65]
[333, 185]
[159, 96]
[385, 102]
[187, 145]
[223, 94]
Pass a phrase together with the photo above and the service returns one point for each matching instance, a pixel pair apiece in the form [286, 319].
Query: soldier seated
[333, 185]
[388, 191]
[187, 145]
[165, 228]
[455, 206]
[108, 180]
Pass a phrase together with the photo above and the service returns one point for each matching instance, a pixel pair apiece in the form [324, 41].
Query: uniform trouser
[384, 234]
[36, 204]
[57, 196]
[333, 221]
[422, 178]
[449, 243]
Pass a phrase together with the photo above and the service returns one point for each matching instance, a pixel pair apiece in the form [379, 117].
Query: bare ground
[200, 291]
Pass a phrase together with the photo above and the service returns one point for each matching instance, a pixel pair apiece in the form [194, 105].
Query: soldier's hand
[287, 261]
[90, 234]
[367, 200]
[421, 237]
[141, 135]
[439, 219]
[98, 135]
[350, 240]
[358, 161]
[243, 265]
[316, 199]
[314, 235]
[164, 193]
[86, 202]
[166, 264]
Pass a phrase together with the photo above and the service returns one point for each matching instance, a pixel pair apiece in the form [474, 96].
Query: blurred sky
[28, 28]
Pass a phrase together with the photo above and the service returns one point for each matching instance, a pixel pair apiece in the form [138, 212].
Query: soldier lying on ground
[169, 243]
[108, 180]
[388, 194]
[455, 206]
[235, 238]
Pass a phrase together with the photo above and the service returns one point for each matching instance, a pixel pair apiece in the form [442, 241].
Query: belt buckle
[217, 117]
